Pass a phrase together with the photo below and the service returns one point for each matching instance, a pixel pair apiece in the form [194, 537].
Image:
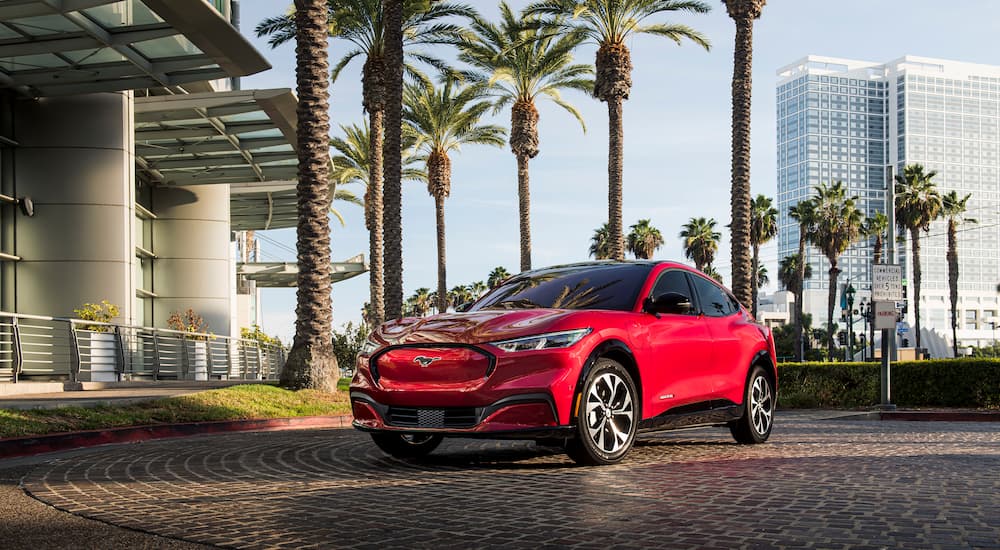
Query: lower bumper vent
[432, 418]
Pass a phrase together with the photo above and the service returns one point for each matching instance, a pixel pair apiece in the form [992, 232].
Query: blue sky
[677, 124]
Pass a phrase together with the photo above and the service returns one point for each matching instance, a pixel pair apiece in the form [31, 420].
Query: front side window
[609, 287]
[714, 301]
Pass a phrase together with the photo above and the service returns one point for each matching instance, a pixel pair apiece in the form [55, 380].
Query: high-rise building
[847, 120]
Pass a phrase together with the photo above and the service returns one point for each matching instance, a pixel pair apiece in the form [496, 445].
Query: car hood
[476, 327]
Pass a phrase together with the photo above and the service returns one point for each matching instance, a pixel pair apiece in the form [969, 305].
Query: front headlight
[552, 340]
[369, 346]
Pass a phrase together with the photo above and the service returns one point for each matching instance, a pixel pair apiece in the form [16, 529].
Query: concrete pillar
[75, 159]
[192, 267]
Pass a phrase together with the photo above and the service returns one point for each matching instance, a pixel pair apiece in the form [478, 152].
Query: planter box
[103, 357]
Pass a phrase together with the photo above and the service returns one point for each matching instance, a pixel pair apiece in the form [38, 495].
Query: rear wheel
[758, 413]
[608, 417]
[406, 445]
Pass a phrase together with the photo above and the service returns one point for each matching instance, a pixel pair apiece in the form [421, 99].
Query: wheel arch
[763, 359]
[618, 351]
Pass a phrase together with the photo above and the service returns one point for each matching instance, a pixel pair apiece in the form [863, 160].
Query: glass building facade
[848, 120]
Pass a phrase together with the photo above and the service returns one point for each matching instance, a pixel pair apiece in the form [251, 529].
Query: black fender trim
[599, 351]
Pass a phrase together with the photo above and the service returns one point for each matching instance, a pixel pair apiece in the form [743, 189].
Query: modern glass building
[131, 170]
[848, 120]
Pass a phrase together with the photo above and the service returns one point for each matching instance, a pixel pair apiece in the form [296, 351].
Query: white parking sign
[887, 283]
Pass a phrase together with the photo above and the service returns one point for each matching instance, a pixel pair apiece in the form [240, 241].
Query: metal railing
[53, 348]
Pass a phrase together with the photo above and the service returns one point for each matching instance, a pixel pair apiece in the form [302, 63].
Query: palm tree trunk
[801, 281]
[754, 282]
[740, 192]
[524, 145]
[953, 281]
[915, 247]
[311, 362]
[878, 250]
[830, 300]
[442, 265]
[376, 276]
[393, 217]
[524, 208]
[616, 137]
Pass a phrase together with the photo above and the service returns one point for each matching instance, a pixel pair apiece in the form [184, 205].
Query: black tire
[758, 412]
[407, 445]
[602, 439]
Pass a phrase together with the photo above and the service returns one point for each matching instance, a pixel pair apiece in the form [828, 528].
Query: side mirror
[668, 302]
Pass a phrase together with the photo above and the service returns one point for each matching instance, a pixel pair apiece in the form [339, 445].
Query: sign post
[887, 289]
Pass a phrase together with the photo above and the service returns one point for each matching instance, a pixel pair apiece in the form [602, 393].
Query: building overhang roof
[238, 137]
[63, 47]
[263, 206]
[285, 274]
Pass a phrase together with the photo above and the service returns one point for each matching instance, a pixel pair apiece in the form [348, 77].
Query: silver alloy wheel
[609, 411]
[761, 405]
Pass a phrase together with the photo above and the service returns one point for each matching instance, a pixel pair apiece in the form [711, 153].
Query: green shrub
[967, 382]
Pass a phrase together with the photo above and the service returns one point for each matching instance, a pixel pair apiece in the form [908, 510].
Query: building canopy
[237, 137]
[285, 274]
[64, 47]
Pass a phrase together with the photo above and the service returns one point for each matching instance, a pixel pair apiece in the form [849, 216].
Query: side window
[672, 281]
[714, 301]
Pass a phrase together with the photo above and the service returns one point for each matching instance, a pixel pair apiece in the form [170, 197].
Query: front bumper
[517, 416]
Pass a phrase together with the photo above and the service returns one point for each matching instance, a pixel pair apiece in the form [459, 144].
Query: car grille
[433, 418]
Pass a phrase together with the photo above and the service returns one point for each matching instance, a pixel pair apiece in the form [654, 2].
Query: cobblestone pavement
[816, 484]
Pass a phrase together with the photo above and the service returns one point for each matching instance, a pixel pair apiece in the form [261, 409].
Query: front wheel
[758, 413]
[608, 417]
[406, 445]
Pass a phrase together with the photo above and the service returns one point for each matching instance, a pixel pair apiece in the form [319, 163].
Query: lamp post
[849, 294]
[865, 309]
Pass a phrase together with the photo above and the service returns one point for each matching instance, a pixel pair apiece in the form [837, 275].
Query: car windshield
[614, 286]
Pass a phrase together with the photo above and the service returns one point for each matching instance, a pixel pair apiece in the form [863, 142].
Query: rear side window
[673, 280]
[714, 301]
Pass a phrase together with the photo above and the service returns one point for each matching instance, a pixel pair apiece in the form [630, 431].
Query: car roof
[600, 263]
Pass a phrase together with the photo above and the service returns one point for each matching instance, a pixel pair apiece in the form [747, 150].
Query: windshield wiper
[520, 303]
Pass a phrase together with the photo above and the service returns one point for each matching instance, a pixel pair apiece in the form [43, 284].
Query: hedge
[967, 383]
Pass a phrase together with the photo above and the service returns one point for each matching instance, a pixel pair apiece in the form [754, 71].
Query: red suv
[586, 355]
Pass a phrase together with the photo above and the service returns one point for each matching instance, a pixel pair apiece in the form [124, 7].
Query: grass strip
[251, 401]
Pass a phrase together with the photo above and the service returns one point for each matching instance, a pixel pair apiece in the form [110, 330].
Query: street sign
[887, 283]
[885, 315]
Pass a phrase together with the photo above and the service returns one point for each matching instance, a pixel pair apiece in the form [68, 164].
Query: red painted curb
[25, 446]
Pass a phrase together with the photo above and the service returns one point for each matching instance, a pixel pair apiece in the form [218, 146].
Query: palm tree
[762, 277]
[644, 240]
[701, 242]
[918, 203]
[743, 13]
[478, 288]
[954, 209]
[839, 223]
[392, 151]
[804, 214]
[360, 22]
[876, 226]
[497, 276]
[419, 305]
[609, 24]
[311, 362]
[714, 273]
[763, 228]
[788, 276]
[600, 243]
[459, 295]
[351, 166]
[445, 118]
[519, 63]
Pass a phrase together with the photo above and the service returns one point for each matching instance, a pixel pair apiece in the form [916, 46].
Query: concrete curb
[27, 446]
[930, 416]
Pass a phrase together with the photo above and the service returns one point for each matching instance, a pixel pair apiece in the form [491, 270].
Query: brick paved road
[818, 483]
